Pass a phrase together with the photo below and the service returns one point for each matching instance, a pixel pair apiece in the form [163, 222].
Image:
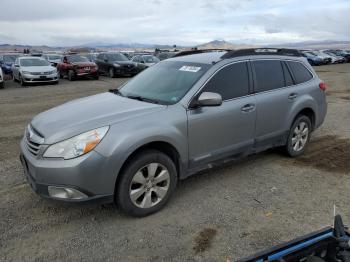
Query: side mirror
[142, 62]
[16, 65]
[209, 99]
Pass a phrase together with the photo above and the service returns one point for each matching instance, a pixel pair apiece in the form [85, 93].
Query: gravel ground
[232, 211]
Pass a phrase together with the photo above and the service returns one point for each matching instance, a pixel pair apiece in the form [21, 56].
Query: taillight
[323, 86]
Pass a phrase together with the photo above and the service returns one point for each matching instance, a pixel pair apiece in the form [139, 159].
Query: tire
[21, 81]
[61, 75]
[14, 78]
[137, 177]
[297, 142]
[96, 77]
[111, 72]
[71, 75]
[2, 85]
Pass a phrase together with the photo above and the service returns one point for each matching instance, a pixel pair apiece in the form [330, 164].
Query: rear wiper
[144, 99]
[115, 91]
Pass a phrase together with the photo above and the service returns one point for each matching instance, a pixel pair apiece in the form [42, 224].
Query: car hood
[9, 64]
[84, 64]
[124, 63]
[84, 114]
[37, 69]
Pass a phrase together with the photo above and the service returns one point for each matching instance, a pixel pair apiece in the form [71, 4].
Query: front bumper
[28, 78]
[89, 174]
[126, 71]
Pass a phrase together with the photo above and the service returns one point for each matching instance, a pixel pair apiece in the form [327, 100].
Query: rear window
[300, 72]
[269, 75]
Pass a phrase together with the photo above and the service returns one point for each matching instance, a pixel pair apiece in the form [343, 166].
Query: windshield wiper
[144, 99]
[115, 91]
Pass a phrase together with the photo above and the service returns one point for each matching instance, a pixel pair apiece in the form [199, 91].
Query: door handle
[248, 108]
[292, 96]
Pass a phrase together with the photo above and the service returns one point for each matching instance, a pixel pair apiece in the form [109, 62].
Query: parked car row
[324, 57]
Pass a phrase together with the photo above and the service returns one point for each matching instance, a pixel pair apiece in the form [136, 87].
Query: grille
[42, 73]
[33, 147]
[33, 140]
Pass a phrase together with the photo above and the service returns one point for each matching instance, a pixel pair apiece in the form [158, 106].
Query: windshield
[33, 62]
[150, 59]
[77, 58]
[9, 58]
[117, 57]
[166, 82]
[54, 57]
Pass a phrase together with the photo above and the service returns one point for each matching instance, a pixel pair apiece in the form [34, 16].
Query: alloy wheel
[300, 136]
[149, 185]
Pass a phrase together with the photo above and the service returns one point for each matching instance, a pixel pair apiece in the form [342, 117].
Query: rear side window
[300, 72]
[287, 76]
[269, 75]
[230, 82]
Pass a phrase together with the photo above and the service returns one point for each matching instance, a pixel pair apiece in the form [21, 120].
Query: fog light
[65, 193]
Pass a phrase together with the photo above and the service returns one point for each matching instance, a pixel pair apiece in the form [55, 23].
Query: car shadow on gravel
[328, 153]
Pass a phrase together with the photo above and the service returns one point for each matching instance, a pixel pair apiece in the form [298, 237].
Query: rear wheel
[146, 183]
[299, 136]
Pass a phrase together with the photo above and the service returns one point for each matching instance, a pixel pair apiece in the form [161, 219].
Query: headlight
[78, 145]
[26, 73]
[116, 65]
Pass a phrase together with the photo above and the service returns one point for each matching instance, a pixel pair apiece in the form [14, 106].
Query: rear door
[221, 131]
[275, 97]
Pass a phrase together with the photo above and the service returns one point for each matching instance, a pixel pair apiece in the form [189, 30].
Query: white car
[54, 59]
[2, 84]
[30, 69]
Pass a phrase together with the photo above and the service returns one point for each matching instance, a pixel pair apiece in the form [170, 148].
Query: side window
[269, 75]
[300, 72]
[287, 76]
[230, 82]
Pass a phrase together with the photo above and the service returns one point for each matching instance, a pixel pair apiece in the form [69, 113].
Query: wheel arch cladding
[161, 146]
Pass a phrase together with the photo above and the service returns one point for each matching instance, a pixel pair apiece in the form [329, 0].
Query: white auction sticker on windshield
[193, 69]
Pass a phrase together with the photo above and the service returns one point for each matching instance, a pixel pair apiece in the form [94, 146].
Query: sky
[181, 22]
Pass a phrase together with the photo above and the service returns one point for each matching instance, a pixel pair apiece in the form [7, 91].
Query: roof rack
[199, 51]
[261, 51]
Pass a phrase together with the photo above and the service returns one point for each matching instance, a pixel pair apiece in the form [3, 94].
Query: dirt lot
[231, 212]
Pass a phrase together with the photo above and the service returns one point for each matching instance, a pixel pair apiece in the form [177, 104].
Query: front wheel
[21, 81]
[71, 75]
[146, 184]
[299, 136]
[111, 72]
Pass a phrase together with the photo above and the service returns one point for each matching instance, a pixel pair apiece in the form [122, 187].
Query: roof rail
[199, 51]
[261, 51]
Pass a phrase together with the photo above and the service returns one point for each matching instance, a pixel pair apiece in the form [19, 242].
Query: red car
[76, 66]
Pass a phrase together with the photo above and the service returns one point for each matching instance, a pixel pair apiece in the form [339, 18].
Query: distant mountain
[222, 44]
[215, 44]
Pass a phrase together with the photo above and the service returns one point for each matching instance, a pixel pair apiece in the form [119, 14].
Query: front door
[221, 131]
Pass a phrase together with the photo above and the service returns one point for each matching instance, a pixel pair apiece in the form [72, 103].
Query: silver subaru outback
[131, 145]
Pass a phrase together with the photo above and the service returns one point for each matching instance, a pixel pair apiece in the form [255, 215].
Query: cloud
[67, 22]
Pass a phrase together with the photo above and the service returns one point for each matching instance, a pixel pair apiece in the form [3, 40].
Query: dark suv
[132, 145]
[117, 64]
